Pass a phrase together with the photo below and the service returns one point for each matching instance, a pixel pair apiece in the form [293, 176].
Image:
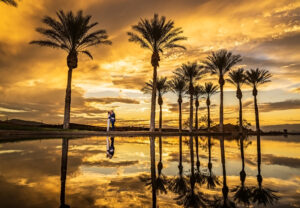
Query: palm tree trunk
[68, 101]
[153, 100]
[197, 153]
[241, 116]
[191, 109]
[221, 108]
[196, 114]
[256, 116]
[153, 172]
[180, 117]
[63, 176]
[160, 118]
[242, 153]
[208, 114]
[180, 155]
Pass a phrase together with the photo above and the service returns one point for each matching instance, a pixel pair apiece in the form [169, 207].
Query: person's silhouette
[110, 148]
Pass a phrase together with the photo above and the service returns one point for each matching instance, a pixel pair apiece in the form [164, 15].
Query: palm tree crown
[210, 89]
[156, 35]
[10, 2]
[177, 85]
[256, 77]
[162, 86]
[221, 61]
[191, 72]
[237, 77]
[71, 33]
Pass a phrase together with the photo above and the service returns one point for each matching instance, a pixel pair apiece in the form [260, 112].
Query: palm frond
[256, 77]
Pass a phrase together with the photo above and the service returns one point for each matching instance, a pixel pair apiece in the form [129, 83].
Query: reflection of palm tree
[191, 72]
[10, 2]
[178, 86]
[156, 35]
[161, 180]
[209, 89]
[199, 177]
[242, 192]
[63, 176]
[237, 78]
[179, 184]
[70, 33]
[219, 63]
[211, 180]
[192, 198]
[198, 91]
[153, 172]
[262, 195]
[162, 88]
[254, 79]
[225, 202]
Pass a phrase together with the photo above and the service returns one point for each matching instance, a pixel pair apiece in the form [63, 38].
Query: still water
[149, 172]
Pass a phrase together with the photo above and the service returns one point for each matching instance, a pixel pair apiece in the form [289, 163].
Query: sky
[33, 79]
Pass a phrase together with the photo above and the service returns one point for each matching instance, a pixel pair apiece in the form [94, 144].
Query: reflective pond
[151, 172]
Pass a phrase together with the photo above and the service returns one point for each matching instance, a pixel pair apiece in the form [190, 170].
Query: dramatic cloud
[283, 105]
[109, 100]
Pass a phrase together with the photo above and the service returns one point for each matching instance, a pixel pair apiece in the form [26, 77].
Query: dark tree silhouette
[220, 63]
[178, 86]
[63, 174]
[238, 78]
[191, 72]
[157, 35]
[209, 90]
[72, 34]
[162, 87]
[255, 78]
[198, 91]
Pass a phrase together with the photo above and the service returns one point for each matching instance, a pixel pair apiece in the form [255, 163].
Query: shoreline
[13, 135]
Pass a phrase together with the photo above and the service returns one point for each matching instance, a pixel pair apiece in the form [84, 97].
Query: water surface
[80, 172]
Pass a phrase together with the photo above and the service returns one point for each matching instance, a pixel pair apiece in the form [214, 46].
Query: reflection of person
[112, 119]
[108, 121]
[110, 148]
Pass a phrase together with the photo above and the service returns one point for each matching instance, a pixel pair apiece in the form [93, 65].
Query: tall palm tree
[190, 72]
[238, 78]
[72, 34]
[10, 2]
[179, 184]
[198, 91]
[178, 86]
[162, 87]
[157, 35]
[161, 180]
[261, 195]
[255, 78]
[209, 90]
[63, 176]
[199, 177]
[220, 63]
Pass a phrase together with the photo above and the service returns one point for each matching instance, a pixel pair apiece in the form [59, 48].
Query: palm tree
[179, 184]
[237, 78]
[261, 195]
[156, 35]
[255, 78]
[198, 91]
[63, 176]
[199, 177]
[190, 72]
[220, 63]
[161, 180]
[162, 87]
[209, 90]
[10, 2]
[153, 172]
[72, 34]
[178, 86]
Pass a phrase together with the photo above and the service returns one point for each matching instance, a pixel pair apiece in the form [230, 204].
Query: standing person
[112, 119]
[108, 121]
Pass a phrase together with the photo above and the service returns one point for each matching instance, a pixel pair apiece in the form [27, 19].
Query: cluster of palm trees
[185, 82]
[72, 33]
